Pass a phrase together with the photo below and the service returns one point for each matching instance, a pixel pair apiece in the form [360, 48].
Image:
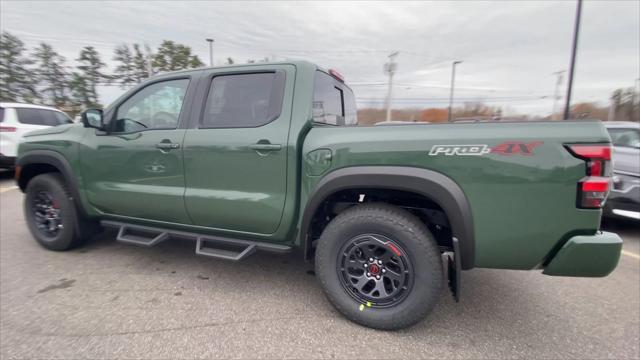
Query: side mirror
[92, 118]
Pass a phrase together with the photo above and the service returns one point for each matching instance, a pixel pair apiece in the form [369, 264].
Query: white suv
[18, 119]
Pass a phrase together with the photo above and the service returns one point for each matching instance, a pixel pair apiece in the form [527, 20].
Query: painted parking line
[5, 189]
[631, 254]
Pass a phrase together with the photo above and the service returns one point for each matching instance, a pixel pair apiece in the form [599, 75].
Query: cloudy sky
[509, 49]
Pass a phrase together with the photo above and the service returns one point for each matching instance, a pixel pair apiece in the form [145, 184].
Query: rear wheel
[379, 266]
[51, 214]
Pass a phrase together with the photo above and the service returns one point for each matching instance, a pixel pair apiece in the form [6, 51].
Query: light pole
[390, 68]
[576, 30]
[453, 79]
[210, 41]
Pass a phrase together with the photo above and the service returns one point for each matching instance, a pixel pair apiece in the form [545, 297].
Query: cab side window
[244, 100]
[157, 106]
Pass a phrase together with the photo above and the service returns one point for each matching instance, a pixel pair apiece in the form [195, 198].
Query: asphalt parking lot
[108, 300]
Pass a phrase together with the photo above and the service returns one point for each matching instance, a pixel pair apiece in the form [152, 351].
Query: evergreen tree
[17, 80]
[125, 72]
[141, 62]
[172, 56]
[53, 76]
[85, 81]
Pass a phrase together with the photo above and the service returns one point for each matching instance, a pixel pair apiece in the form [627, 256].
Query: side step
[206, 245]
[141, 235]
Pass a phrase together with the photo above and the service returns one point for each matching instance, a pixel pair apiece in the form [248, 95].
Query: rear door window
[244, 100]
[41, 117]
[1, 114]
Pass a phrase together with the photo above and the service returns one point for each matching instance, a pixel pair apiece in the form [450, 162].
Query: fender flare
[58, 161]
[437, 187]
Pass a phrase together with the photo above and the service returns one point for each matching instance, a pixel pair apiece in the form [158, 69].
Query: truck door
[236, 153]
[136, 169]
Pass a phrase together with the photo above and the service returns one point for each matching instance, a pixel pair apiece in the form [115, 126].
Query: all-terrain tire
[72, 228]
[406, 233]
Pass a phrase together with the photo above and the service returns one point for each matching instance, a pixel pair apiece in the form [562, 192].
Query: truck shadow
[288, 281]
[6, 174]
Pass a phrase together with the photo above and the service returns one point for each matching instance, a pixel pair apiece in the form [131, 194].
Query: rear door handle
[167, 146]
[262, 147]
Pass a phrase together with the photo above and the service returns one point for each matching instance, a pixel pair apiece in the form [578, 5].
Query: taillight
[7, 129]
[593, 192]
[598, 157]
[594, 188]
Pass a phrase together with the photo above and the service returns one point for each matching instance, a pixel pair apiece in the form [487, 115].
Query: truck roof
[300, 63]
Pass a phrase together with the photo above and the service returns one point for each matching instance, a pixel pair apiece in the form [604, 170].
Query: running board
[206, 245]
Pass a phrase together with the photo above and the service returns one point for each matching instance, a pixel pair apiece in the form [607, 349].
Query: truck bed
[517, 195]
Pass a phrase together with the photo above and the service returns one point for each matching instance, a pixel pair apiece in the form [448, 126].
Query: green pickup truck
[268, 157]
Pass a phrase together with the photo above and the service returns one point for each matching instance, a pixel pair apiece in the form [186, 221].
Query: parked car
[266, 157]
[18, 119]
[624, 199]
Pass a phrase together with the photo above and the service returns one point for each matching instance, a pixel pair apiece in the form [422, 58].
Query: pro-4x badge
[505, 148]
[459, 150]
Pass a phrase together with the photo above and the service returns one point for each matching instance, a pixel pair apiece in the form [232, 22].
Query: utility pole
[576, 30]
[453, 79]
[210, 41]
[637, 93]
[390, 68]
[612, 110]
[556, 95]
[148, 57]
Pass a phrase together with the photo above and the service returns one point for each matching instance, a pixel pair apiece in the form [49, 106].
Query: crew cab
[269, 157]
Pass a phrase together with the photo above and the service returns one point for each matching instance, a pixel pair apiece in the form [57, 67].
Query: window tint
[625, 137]
[157, 106]
[244, 100]
[327, 100]
[350, 108]
[1, 114]
[41, 117]
[62, 118]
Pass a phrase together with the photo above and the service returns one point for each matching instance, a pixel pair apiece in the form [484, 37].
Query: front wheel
[51, 214]
[379, 266]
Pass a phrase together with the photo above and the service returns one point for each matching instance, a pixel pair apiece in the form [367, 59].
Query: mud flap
[452, 268]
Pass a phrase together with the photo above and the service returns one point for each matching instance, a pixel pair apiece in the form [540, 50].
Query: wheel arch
[36, 162]
[432, 185]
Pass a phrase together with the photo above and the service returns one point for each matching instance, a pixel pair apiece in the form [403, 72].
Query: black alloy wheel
[375, 269]
[46, 214]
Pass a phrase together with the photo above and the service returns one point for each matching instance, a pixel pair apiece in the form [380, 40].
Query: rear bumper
[587, 256]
